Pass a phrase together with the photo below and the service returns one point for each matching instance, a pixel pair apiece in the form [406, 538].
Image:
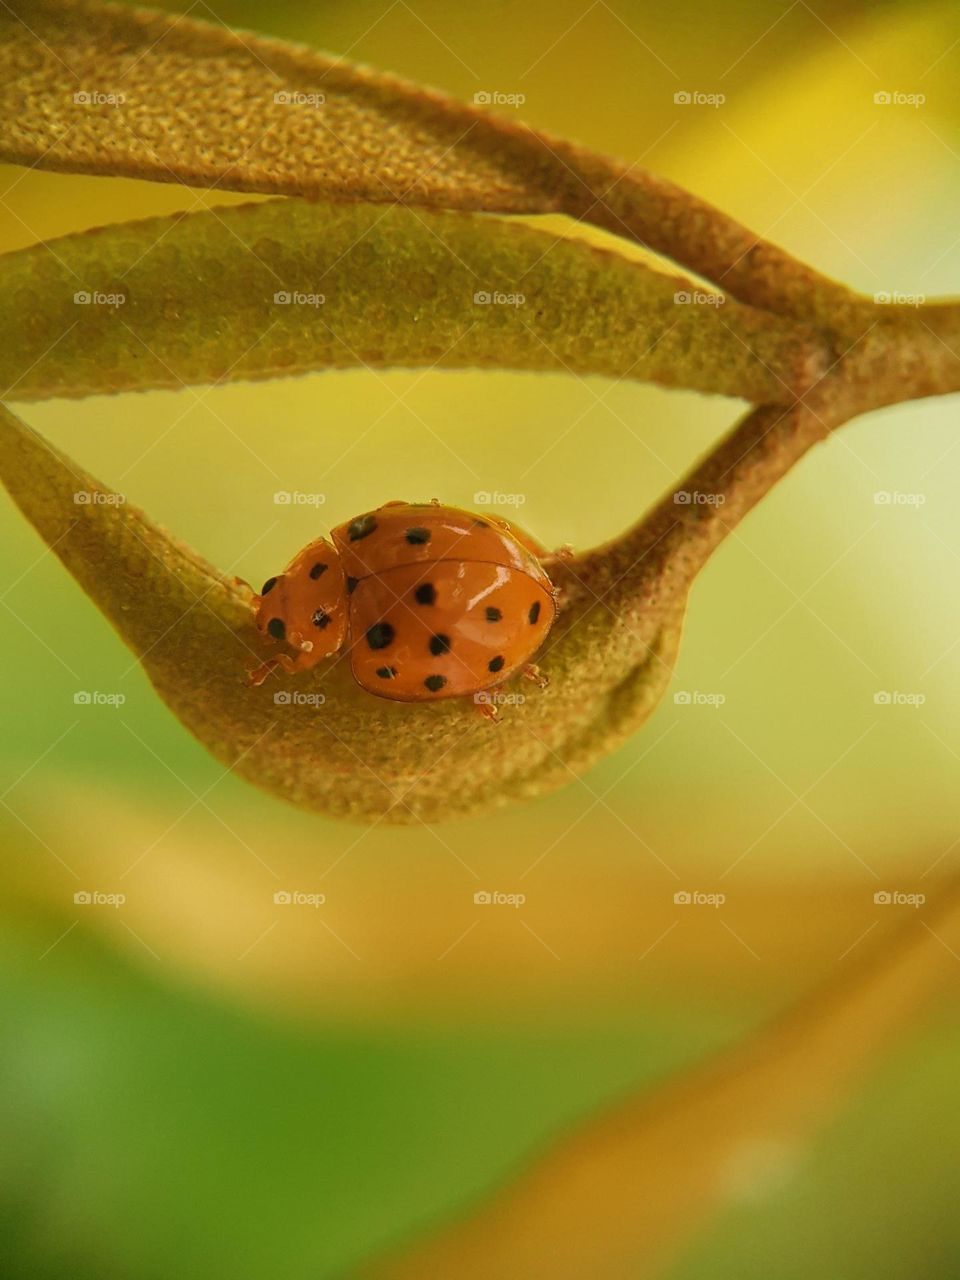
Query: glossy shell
[413, 533]
[442, 602]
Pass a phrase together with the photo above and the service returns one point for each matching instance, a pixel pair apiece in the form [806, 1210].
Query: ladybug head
[306, 605]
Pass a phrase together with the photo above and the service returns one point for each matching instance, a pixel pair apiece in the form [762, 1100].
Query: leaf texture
[173, 99]
[287, 287]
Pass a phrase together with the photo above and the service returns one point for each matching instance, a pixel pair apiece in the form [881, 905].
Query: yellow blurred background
[202, 1082]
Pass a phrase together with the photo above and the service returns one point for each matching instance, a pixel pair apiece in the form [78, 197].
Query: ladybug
[429, 602]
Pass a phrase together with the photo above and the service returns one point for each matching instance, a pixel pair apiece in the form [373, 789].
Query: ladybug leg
[488, 710]
[532, 672]
[290, 665]
[256, 677]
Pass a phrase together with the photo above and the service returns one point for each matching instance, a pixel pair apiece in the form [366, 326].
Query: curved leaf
[286, 287]
[337, 749]
[176, 100]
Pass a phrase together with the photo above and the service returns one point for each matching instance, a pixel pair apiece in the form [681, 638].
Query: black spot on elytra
[481, 524]
[268, 586]
[493, 614]
[380, 635]
[495, 664]
[317, 569]
[435, 683]
[386, 673]
[439, 644]
[321, 619]
[417, 537]
[352, 585]
[426, 593]
[277, 628]
[534, 613]
[362, 527]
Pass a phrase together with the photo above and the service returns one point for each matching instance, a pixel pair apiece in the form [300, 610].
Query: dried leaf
[286, 287]
[92, 88]
[614, 1198]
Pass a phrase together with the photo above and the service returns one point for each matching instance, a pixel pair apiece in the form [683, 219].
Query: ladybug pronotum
[428, 601]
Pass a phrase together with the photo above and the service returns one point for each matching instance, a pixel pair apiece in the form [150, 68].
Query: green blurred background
[203, 1083]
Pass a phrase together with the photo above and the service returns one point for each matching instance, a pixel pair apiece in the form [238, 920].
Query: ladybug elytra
[429, 602]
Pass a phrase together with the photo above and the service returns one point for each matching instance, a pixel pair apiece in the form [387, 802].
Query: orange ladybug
[429, 601]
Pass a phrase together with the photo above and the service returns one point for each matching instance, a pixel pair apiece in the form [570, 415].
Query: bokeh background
[202, 1082]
